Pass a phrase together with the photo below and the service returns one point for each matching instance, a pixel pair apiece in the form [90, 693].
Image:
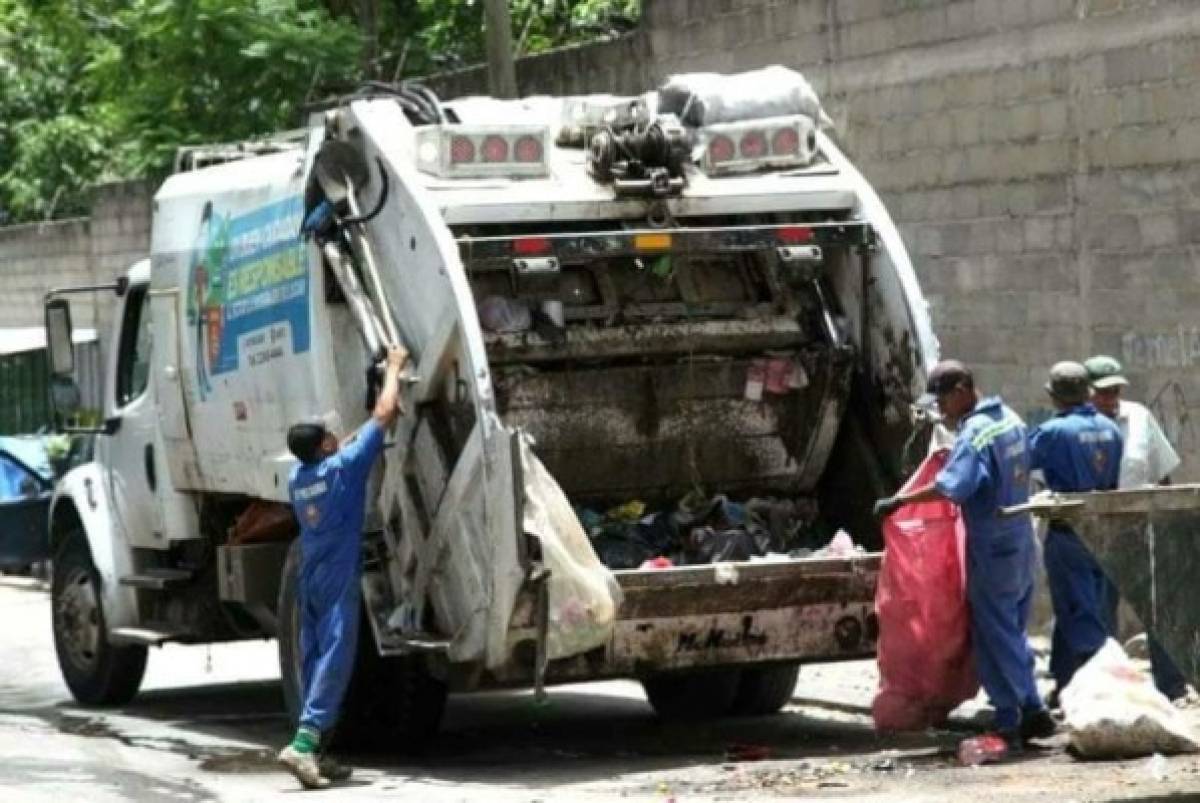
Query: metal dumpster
[1148, 541]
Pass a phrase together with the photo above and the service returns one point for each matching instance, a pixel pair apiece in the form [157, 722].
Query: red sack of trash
[925, 664]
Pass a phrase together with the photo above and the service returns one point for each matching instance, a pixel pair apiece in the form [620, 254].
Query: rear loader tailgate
[753, 612]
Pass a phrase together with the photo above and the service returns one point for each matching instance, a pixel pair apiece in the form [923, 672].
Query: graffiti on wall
[1148, 350]
[1170, 407]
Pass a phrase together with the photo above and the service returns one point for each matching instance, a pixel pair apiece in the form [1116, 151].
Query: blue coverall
[988, 469]
[1078, 450]
[329, 500]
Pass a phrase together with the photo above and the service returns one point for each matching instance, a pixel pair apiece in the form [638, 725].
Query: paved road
[209, 719]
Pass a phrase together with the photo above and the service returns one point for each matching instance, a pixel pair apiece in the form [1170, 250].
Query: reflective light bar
[652, 242]
[528, 246]
[794, 235]
[479, 151]
[758, 144]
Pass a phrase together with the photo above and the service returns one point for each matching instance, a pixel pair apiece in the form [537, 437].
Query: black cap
[304, 441]
[947, 375]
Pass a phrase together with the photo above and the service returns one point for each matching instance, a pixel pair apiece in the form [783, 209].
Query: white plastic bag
[1112, 710]
[500, 314]
[584, 595]
[703, 98]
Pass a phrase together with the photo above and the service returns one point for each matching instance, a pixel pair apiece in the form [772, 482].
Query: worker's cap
[1068, 382]
[1105, 372]
[946, 376]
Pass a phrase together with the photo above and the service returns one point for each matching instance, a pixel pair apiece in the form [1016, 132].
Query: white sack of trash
[1112, 710]
[583, 593]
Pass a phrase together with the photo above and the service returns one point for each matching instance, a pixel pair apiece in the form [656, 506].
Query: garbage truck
[610, 304]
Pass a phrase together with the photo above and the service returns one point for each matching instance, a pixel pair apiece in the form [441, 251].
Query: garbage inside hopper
[699, 530]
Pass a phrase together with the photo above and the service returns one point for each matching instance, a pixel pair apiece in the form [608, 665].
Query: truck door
[128, 455]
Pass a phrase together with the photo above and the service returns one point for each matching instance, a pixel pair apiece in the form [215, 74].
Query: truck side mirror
[58, 338]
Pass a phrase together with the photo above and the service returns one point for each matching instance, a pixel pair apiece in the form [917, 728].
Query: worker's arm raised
[387, 406]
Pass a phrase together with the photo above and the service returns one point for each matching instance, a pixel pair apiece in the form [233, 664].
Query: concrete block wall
[39, 256]
[36, 256]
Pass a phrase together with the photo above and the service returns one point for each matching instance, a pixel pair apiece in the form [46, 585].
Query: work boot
[1014, 741]
[1038, 725]
[332, 770]
[304, 767]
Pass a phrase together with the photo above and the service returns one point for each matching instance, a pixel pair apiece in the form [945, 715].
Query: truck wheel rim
[79, 619]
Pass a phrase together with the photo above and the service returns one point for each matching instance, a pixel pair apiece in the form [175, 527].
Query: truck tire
[694, 694]
[765, 689]
[96, 671]
[393, 703]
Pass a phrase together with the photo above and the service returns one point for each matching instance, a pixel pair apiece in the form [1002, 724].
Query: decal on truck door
[247, 289]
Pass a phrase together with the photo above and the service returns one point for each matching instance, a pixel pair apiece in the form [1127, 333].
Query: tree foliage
[92, 90]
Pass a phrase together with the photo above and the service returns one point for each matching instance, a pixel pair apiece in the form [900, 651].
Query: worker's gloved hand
[397, 356]
[886, 506]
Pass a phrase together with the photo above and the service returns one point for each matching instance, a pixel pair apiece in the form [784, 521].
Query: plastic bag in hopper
[584, 595]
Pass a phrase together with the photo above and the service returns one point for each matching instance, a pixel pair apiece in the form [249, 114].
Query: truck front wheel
[393, 703]
[765, 689]
[693, 694]
[96, 672]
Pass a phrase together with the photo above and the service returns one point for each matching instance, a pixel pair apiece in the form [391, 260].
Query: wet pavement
[209, 720]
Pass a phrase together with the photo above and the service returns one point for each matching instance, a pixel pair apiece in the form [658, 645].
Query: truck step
[409, 644]
[142, 635]
[157, 579]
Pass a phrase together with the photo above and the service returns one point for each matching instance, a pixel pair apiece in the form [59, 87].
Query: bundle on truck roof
[643, 328]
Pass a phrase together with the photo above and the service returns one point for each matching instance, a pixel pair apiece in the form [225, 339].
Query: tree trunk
[368, 22]
[502, 74]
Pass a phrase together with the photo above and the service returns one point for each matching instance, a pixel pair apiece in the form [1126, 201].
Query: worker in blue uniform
[328, 493]
[1078, 450]
[988, 469]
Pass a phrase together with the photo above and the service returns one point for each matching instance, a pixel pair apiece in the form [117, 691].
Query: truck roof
[570, 192]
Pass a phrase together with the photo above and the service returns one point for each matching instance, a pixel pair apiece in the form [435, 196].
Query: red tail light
[794, 235]
[531, 246]
[527, 149]
[785, 142]
[753, 145]
[495, 149]
[462, 150]
[720, 149]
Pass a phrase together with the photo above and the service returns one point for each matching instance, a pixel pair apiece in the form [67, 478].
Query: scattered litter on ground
[747, 752]
[1156, 767]
[1112, 710]
[978, 750]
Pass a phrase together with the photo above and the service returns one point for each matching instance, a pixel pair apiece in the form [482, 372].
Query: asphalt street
[209, 720]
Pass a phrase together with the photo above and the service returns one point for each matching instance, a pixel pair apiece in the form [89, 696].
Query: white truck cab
[606, 313]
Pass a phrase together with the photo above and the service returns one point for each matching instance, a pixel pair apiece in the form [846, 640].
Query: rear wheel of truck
[393, 703]
[765, 689]
[694, 694]
[96, 672]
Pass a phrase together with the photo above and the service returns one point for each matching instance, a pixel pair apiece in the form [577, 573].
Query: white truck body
[233, 331]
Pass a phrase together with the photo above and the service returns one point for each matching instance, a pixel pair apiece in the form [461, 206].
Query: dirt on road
[207, 724]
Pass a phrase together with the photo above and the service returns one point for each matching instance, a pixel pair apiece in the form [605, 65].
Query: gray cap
[1069, 382]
